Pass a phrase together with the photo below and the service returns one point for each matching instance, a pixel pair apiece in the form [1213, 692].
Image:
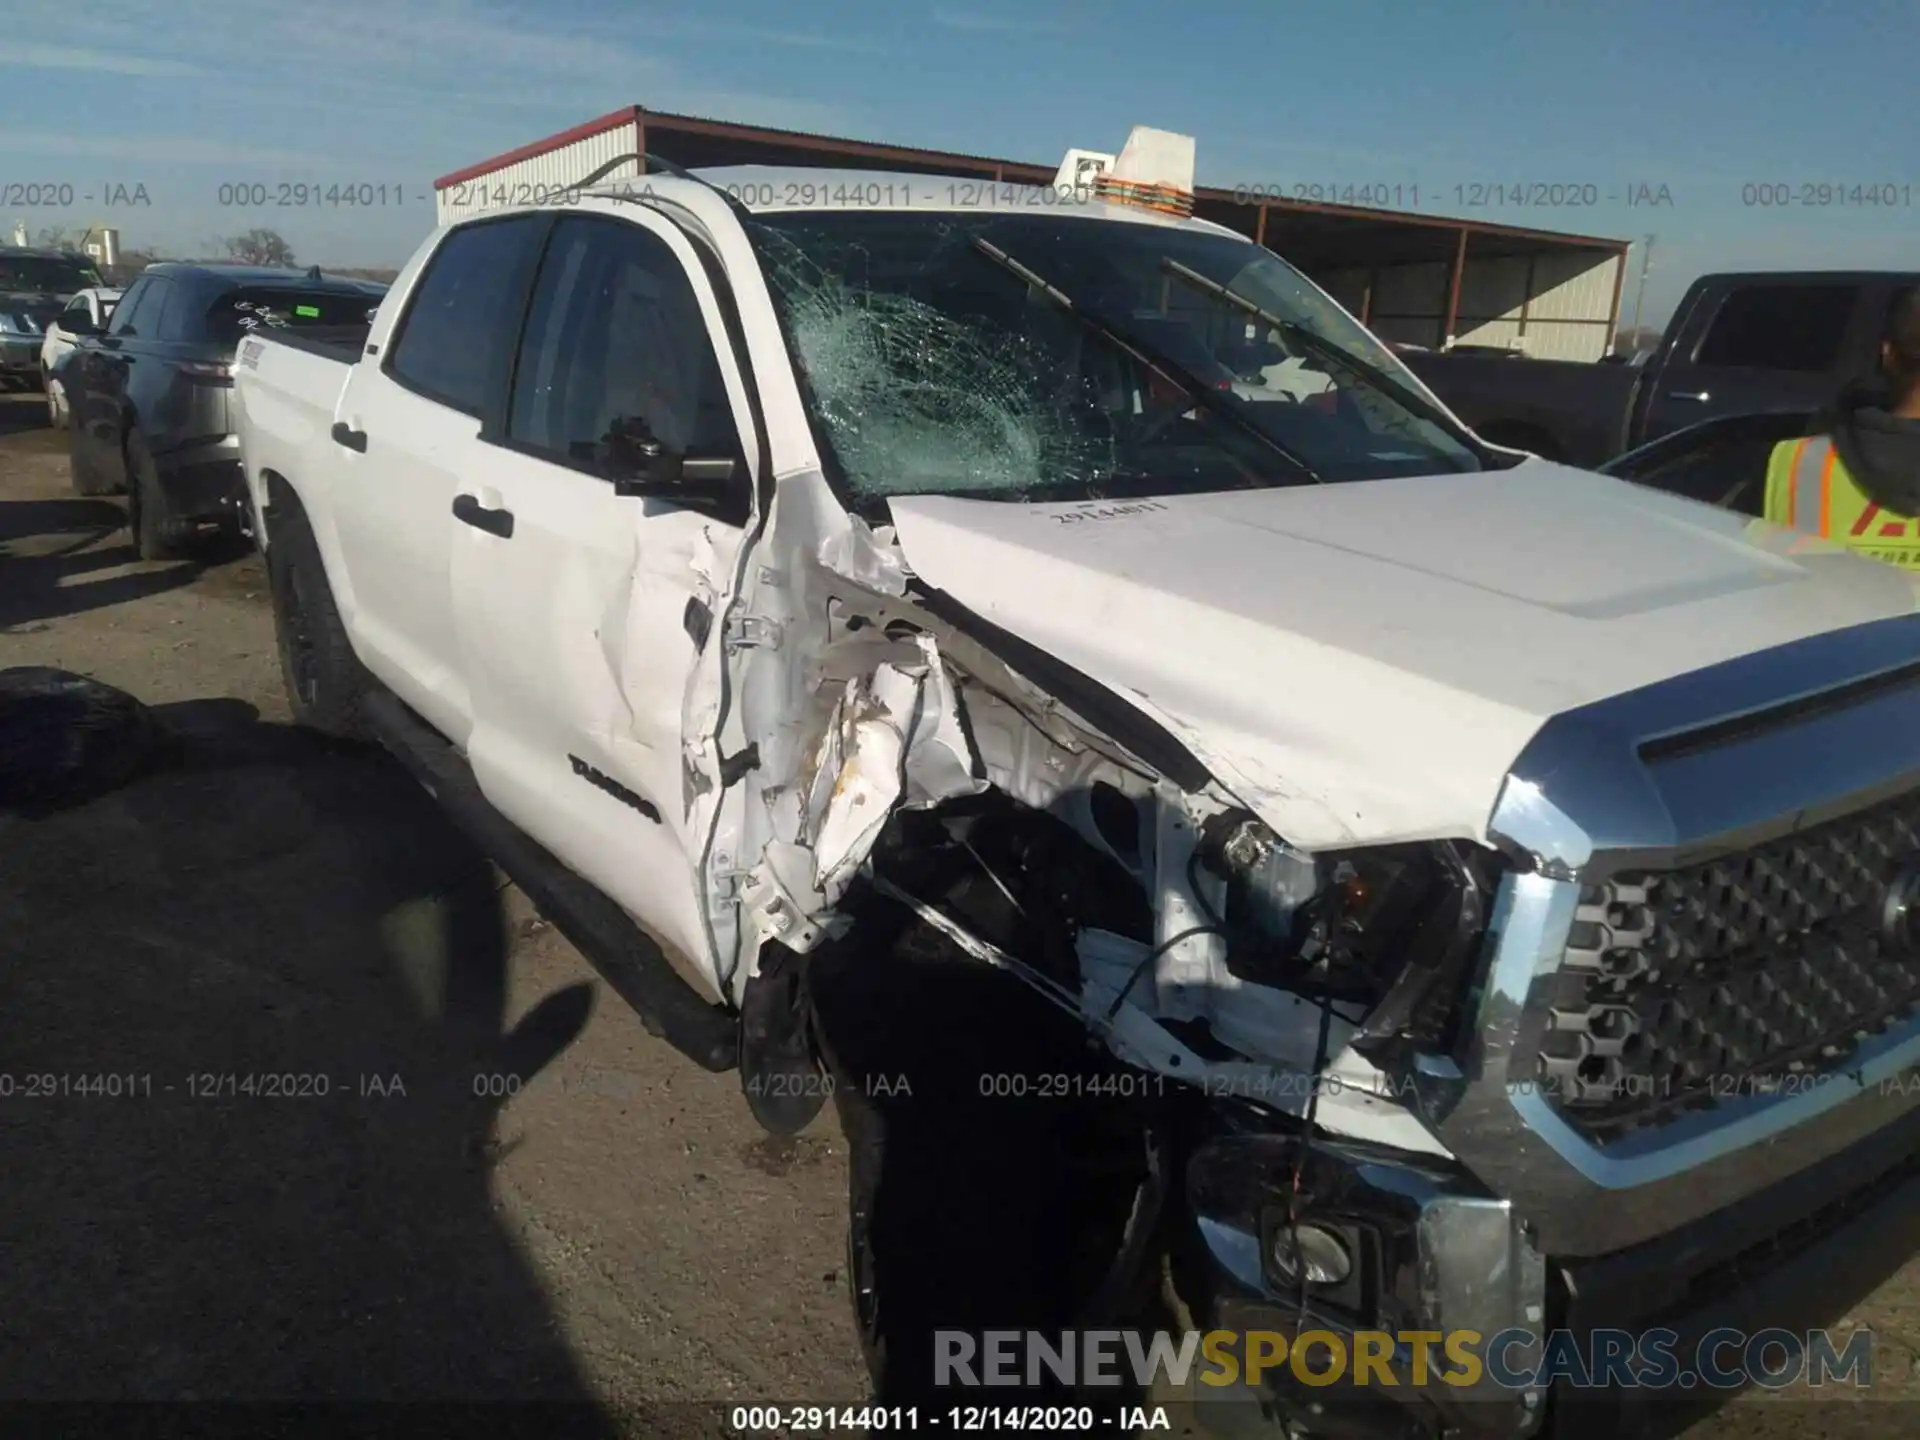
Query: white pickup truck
[1491, 886]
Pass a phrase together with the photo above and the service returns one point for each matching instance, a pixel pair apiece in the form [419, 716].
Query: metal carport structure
[1414, 278]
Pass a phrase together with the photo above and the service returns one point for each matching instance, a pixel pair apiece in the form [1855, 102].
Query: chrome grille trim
[1760, 972]
[1653, 782]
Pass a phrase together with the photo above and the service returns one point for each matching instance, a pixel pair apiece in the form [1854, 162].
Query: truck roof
[1860, 277]
[778, 189]
[290, 279]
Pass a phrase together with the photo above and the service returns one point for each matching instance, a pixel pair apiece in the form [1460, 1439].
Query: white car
[94, 307]
[1444, 848]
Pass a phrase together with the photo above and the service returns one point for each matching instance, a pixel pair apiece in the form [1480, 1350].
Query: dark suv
[149, 394]
[34, 286]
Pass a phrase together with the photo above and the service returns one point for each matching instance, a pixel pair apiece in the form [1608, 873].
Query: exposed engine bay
[909, 758]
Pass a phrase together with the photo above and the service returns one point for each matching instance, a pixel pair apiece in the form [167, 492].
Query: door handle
[1698, 396]
[467, 508]
[343, 434]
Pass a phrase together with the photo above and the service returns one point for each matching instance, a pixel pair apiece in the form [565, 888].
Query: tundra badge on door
[613, 787]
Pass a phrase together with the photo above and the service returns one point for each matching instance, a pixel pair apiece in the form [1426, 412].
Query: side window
[616, 349]
[173, 321]
[1780, 327]
[129, 306]
[462, 315]
[80, 312]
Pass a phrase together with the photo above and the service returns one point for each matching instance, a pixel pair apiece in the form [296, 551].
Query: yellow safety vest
[1809, 489]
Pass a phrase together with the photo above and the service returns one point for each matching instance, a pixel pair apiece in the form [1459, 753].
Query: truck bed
[287, 386]
[1564, 409]
[334, 342]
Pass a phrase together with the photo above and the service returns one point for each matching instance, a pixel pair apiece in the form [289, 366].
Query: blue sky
[1704, 97]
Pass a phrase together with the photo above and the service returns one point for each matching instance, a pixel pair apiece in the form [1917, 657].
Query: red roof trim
[605, 123]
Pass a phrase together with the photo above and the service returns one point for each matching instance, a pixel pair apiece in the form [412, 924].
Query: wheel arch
[275, 503]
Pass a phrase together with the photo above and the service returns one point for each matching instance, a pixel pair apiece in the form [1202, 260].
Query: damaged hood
[1363, 662]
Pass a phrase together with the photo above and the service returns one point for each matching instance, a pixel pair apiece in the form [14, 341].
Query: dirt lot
[618, 1233]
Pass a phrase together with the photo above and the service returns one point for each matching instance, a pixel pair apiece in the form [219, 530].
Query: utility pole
[1640, 293]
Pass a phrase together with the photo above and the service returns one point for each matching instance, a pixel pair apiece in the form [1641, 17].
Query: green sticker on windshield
[311, 312]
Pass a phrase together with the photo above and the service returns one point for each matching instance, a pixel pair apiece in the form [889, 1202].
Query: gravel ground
[617, 1234]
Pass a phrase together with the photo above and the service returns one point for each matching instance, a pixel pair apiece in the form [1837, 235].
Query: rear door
[176, 395]
[406, 441]
[579, 607]
[100, 426]
[1757, 346]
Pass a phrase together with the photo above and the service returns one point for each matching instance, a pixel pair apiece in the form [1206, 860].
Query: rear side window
[169, 319]
[463, 317]
[1780, 327]
[256, 307]
[130, 306]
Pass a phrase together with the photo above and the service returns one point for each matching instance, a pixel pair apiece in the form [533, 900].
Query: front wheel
[324, 679]
[56, 401]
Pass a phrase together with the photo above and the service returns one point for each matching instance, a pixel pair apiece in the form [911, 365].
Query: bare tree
[58, 237]
[260, 247]
[127, 269]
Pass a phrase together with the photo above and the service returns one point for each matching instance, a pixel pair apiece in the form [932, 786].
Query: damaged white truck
[1495, 884]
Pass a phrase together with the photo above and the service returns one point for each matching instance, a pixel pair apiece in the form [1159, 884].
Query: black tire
[324, 679]
[156, 534]
[967, 1210]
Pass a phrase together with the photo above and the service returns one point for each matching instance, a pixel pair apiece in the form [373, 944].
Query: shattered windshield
[932, 369]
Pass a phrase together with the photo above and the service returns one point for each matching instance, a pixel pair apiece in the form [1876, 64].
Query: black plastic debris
[65, 739]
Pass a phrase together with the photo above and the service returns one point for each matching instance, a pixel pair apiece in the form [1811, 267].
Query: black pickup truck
[1738, 344]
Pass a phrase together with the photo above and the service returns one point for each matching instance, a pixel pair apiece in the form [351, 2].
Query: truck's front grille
[1759, 973]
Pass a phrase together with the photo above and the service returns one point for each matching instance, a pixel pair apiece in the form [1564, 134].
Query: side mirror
[697, 482]
[641, 465]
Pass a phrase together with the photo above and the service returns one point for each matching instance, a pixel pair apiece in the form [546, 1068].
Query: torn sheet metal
[1119, 1002]
[896, 739]
[867, 556]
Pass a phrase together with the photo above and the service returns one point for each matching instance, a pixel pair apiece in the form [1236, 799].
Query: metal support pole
[1453, 290]
[1640, 292]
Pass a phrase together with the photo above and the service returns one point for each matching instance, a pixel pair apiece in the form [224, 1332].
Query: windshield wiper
[1327, 349]
[1144, 354]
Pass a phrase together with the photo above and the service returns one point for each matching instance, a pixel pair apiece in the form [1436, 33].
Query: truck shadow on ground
[55, 552]
[22, 411]
[250, 1007]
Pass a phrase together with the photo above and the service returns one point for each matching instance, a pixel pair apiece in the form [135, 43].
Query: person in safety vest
[1856, 479]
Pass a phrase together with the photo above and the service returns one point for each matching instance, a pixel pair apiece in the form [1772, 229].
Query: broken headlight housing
[1392, 928]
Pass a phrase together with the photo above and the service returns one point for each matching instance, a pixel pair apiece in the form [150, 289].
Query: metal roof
[699, 143]
[784, 189]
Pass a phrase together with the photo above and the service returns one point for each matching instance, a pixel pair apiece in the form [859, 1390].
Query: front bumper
[1435, 1254]
[1432, 1252]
